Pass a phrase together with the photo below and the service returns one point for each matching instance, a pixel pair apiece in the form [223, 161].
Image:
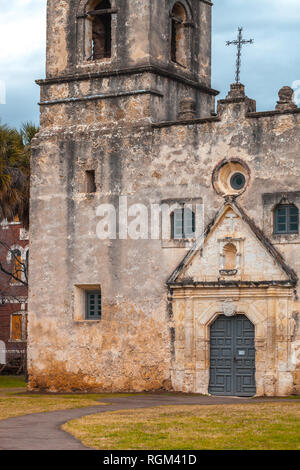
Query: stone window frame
[83, 38]
[189, 24]
[223, 173]
[81, 183]
[79, 302]
[270, 202]
[90, 181]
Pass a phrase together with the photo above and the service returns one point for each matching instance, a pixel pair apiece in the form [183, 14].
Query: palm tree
[15, 172]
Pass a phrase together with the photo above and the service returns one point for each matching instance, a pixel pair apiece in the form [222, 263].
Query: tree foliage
[15, 171]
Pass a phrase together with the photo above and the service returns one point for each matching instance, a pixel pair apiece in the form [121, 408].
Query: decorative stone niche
[230, 256]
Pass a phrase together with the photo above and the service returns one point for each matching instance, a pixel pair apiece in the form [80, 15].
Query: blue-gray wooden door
[232, 356]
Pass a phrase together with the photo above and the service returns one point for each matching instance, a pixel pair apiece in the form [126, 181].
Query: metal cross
[239, 42]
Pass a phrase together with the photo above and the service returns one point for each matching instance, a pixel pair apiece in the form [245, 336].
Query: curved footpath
[42, 431]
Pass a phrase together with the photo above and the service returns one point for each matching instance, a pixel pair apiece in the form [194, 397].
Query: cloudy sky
[273, 61]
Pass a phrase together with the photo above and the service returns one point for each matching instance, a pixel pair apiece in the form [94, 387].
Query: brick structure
[128, 120]
[13, 294]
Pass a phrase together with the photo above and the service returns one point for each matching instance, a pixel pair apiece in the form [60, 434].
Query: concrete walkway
[42, 431]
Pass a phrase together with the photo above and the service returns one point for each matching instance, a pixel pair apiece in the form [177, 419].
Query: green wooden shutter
[93, 305]
[293, 221]
[189, 223]
[177, 224]
[281, 220]
[183, 224]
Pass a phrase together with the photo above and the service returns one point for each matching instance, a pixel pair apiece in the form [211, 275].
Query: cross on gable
[239, 42]
[231, 216]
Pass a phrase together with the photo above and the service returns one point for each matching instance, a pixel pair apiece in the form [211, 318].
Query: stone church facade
[128, 117]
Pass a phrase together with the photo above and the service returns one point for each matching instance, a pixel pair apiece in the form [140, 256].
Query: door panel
[232, 356]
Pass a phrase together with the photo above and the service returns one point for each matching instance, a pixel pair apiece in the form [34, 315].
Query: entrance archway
[232, 356]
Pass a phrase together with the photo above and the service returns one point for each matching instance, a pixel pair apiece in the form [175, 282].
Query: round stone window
[237, 181]
[231, 177]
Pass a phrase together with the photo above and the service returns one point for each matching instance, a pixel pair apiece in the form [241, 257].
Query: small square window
[93, 305]
[87, 302]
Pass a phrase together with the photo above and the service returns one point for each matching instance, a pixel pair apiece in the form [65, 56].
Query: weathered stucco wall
[104, 117]
[151, 163]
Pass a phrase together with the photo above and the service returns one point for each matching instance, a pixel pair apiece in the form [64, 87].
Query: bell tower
[112, 61]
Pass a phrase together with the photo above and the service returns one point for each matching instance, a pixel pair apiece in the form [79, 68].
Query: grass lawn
[250, 426]
[15, 402]
[11, 381]
[13, 405]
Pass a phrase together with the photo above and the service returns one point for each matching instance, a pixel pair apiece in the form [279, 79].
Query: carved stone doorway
[232, 356]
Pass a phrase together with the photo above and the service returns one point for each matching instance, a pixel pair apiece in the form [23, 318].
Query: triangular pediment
[233, 251]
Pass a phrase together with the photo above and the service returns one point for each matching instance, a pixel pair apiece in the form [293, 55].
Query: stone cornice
[149, 68]
[187, 122]
[101, 96]
[260, 114]
[232, 284]
[217, 118]
[236, 294]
